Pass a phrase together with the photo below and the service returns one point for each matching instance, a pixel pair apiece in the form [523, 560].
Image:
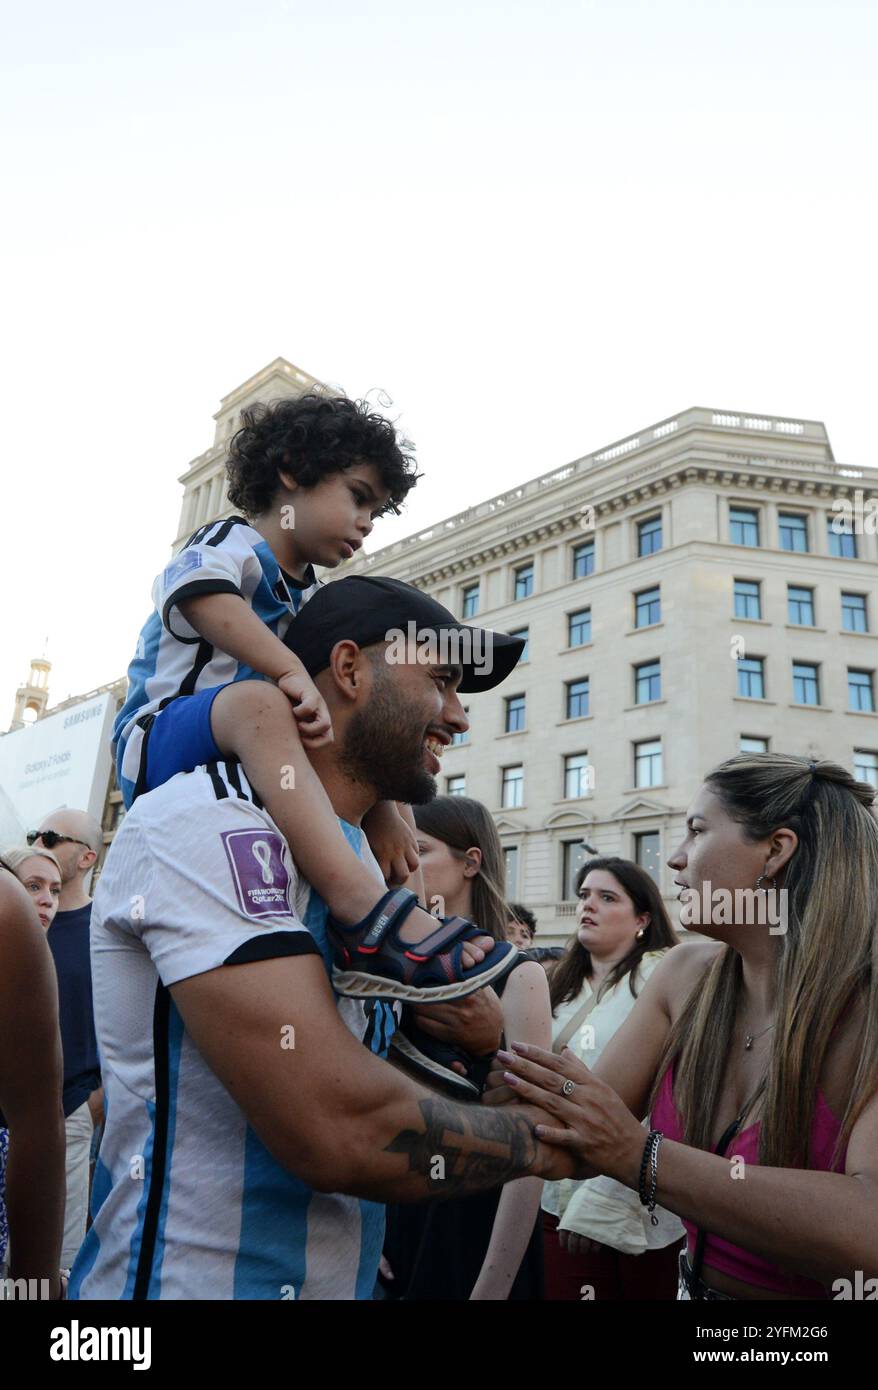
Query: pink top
[721, 1254]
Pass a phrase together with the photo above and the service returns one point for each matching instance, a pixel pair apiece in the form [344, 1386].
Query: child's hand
[309, 708]
[393, 844]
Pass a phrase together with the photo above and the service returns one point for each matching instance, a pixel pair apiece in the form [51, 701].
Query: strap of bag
[572, 1024]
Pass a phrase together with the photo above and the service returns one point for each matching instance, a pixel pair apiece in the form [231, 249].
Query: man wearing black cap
[266, 1133]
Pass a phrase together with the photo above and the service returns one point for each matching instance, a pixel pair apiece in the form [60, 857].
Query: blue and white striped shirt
[172, 659]
[187, 1201]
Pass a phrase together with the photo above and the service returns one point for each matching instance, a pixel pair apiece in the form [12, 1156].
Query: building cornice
[523, 537]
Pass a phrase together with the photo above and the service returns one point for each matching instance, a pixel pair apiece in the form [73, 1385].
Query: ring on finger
[568, 1088]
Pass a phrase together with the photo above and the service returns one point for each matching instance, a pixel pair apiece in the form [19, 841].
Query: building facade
[686, 593]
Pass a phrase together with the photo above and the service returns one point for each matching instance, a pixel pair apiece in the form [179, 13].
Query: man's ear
[92, 858]
[346, 665]
[287, 479]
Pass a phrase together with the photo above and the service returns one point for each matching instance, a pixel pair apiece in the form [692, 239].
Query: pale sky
[538, 228]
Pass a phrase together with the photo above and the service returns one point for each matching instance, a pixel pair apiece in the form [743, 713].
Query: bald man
[75, 838]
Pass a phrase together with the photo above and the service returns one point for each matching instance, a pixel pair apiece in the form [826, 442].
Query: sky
[536, 228]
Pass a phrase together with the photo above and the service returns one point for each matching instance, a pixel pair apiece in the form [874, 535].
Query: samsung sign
[62, 760]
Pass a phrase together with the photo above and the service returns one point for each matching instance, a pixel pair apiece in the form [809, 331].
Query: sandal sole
[427, 1070]
[356, 984]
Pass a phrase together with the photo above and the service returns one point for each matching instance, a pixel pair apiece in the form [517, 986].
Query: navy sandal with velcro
[371, 962]
[431, 1060]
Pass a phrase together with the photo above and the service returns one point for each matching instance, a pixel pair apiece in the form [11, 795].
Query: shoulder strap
[573, 1023]
[725, 1139]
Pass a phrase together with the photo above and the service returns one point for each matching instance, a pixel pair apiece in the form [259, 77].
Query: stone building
[685, 594]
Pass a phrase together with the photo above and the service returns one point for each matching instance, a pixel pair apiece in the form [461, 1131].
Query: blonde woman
[757, 1052]
[32, 1194]
[40, 873]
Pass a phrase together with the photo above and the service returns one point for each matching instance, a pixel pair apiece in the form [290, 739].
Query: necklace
[750, 1039]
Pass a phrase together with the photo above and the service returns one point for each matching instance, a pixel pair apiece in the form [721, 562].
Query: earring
[639, 935]
[761, 880]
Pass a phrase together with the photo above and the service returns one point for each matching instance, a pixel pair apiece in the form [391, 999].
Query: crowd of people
[302, 1046]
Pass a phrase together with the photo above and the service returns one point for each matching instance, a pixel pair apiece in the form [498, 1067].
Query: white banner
[63, 760]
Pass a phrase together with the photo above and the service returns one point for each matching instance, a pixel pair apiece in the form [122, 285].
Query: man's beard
[384, 747]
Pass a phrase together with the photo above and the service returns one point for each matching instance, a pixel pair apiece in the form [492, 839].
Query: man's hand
[96, 1107]
[474, 1024]
[309, 709]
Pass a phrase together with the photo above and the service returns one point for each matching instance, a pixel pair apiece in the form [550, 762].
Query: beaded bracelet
[649, 1166]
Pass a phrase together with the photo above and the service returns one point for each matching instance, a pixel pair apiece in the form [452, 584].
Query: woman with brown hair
[593, 1235]
[485, 1246]
[757, 1052]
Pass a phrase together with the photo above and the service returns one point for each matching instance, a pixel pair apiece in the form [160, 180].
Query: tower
[32, 698]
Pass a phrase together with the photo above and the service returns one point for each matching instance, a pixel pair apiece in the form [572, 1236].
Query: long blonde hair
[827, 962]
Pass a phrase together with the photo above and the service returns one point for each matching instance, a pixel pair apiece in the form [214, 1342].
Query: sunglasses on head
[51, 838]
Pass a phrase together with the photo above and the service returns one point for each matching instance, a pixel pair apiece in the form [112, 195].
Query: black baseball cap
[372, 608]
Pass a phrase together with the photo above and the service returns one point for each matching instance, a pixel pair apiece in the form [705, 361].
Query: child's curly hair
[311, 437]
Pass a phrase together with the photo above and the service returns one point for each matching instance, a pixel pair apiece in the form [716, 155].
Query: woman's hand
[594, 1125]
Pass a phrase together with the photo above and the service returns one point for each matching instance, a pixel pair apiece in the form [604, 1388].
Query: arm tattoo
[480, 1148]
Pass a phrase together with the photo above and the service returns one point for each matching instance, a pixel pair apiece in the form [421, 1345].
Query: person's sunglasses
[51, 838]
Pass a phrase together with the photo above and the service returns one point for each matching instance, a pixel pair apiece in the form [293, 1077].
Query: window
[842, 541]
[647, 853]
[749, 744]
[647, 682]
[578, 775]
[579, 627]
[513, 786]
[806, 685]
[510, 864]
[743, 526]
[800, 605]
[514, 721]
[470, 601]
[524, 580]
[647, 607]
[456, 786]
[866, 766]
[649, 535]
[751, 678]
[583, 560]
[648, 763]
[748, 598]
[522, 632]
[853, 613]
[575, 855]
[577, 698]
[793, 531]
[860, 693]
[458, 739]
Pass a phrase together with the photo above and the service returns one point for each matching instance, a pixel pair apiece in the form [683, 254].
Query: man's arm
[31, 1073]
[331, 1112]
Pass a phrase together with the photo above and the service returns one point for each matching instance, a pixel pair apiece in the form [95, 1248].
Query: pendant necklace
[751, 1037]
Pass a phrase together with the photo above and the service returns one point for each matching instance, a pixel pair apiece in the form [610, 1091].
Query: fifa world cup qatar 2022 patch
[261, 880]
